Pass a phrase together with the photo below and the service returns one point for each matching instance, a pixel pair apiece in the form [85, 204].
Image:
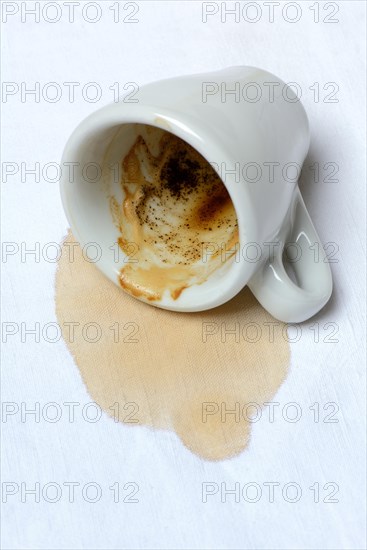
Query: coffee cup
[251, 130]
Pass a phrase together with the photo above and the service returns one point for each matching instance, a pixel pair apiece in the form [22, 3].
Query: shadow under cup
[153, 215]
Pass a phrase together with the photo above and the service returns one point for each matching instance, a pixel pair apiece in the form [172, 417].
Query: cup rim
[118, 114]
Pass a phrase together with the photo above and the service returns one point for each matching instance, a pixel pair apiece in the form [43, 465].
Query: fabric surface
[300, 483]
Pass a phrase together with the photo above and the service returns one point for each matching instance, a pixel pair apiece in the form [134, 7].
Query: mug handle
[286, 300]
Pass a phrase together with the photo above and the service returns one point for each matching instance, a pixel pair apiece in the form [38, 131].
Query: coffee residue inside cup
[176, 218]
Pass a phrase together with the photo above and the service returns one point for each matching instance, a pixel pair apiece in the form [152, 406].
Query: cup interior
[98, 155]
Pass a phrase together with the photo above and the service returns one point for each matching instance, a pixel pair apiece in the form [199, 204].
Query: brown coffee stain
[175, 208]
[162, 363]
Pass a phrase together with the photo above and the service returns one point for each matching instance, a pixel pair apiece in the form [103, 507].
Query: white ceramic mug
[252, 128]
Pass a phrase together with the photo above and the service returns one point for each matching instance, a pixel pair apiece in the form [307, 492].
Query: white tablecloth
[327, 61]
